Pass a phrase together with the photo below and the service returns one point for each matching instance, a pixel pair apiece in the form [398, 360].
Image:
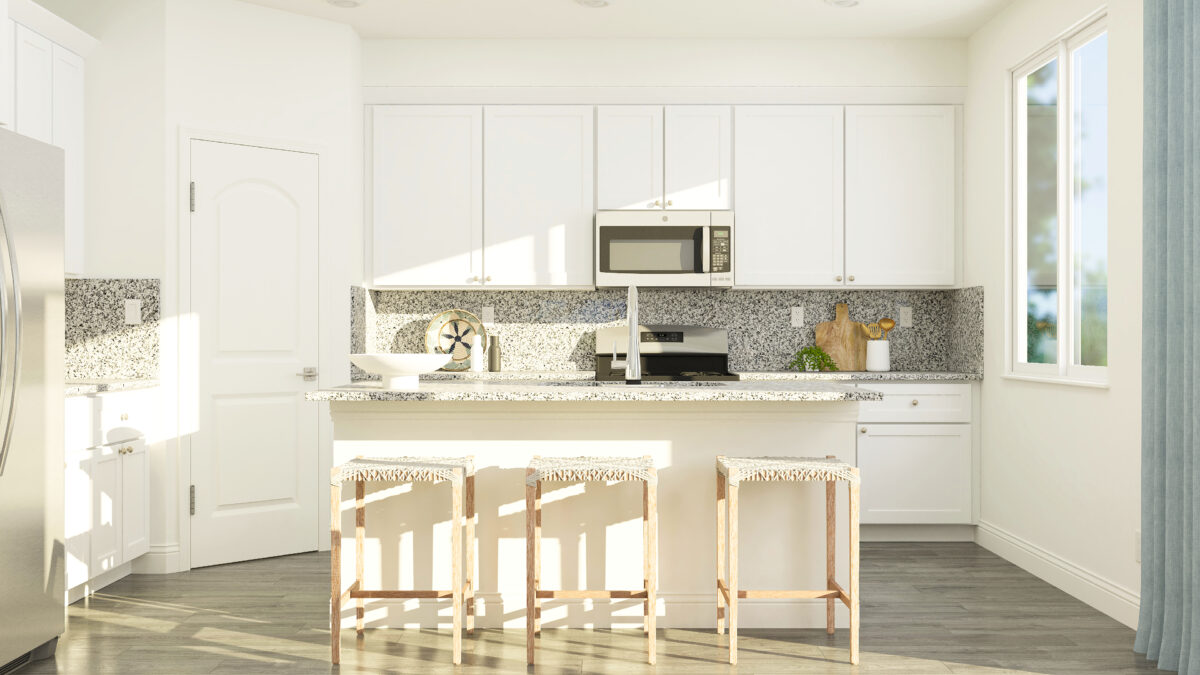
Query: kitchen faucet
[633, 353]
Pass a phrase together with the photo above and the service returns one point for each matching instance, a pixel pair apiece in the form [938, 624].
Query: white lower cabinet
[106, 487]
[916, 455]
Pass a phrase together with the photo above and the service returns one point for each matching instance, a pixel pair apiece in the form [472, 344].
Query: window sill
[1053, 379]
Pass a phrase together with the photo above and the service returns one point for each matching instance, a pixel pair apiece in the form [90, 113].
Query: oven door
[652, 255]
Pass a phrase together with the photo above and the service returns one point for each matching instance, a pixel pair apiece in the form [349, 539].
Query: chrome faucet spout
[633, 353]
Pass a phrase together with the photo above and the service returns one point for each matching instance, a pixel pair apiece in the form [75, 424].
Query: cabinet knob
[487, 278]
[851, 277]
[915, 402]
[475, 279]
[838, 278]
[124, 417]
[669, 202]
[862, 430]
[658, 202]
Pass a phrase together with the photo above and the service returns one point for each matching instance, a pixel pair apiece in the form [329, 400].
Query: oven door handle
[706, 250]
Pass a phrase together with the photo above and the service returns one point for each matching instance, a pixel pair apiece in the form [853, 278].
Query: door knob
[309, 373]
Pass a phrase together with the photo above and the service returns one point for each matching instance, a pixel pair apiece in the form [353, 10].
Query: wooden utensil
[844, 340]
[873, 331]
[887, 325]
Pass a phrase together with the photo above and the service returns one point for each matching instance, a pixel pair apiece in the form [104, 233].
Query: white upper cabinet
[789, 195]
[698, 157]
[8, 29]
[538, 195]
[34, 85]
[901, 195]
[427, 195]
[67, 132]
[629, 157]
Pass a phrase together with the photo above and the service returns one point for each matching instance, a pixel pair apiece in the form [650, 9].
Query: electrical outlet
[488, 315]
[133, 312]
[906, 317]
[1137, 546]
[797, 317]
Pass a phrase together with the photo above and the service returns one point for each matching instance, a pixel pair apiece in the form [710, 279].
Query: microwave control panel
[721, 253]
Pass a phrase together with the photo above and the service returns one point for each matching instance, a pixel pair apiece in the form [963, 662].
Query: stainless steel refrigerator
[32, 549]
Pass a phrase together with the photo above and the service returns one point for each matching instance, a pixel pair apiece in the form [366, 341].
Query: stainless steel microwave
[664, 248]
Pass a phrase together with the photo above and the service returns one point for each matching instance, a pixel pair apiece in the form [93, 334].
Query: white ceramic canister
[478, 354]
[879, 356]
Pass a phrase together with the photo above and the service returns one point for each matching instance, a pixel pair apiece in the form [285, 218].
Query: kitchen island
[592, 534]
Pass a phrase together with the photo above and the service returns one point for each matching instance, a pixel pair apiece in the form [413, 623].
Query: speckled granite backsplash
[100, 345]
[555, 330]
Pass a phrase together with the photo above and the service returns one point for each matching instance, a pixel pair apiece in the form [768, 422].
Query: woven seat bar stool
[731, 471]
[581, 470]
[460, 473]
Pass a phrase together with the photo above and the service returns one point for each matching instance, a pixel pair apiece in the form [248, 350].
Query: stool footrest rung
[563, 595]
[801, 594]
[402, 594]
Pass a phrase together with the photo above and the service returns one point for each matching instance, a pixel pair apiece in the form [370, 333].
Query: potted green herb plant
[812, 359]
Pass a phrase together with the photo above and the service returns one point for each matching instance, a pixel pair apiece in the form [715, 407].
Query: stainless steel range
[679, 353]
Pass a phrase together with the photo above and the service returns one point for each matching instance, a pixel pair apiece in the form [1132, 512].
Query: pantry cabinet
[901, 195]
[427, 195]
[789, 195]
[538, 196]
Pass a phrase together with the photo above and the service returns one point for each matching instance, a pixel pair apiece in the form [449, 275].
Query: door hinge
[192, 197]
[191, 500]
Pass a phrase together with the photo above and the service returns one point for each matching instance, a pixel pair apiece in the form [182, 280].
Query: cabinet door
[35, 90]
[538, 192]
[789, 203]
[135, 500]
[8, 84]
[629, 157]
[67, 132]
[915, 473]
[901, 195]
[697, 157]
[77, 515]
[426, 195]
[106, 509]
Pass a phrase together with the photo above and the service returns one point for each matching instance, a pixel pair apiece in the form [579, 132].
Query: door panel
[538, 188]
[254, 296]
[919, 473]
[901, 180]
[789, 202]
[697, 157]
[629, 157]
[135, 500]
[67, 74]
[105, 471]
[35, 89]
[427, 195]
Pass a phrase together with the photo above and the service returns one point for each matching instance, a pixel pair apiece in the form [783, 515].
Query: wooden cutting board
[844, 340]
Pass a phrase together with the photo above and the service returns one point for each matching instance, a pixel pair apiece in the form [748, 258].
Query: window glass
[1089, 122]
[1041, 214]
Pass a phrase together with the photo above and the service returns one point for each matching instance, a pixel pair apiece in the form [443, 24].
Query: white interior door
[254, 300]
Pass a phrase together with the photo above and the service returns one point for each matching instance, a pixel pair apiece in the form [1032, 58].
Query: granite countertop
[777, 376]
[590, 390]
[87, 387]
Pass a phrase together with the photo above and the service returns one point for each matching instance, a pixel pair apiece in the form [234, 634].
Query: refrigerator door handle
[10, 366]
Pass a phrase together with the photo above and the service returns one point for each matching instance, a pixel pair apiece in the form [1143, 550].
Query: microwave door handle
[705, 250]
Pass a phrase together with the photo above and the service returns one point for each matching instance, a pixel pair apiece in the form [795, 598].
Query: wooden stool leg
[720, 551]
[537, 560]
[530, 579]
[470, 544]
[456, 553]
[652, 563]
[360, 529]
[830, 550]
[646, 556]
[854, 493]
[732, 496]
[335, 573]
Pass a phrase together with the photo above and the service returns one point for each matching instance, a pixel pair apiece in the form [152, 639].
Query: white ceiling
[653, 18]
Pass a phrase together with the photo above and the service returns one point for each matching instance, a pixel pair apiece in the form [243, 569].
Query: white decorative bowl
[399, 371]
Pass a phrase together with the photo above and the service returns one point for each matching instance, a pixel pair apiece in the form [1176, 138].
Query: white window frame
[1064, 371]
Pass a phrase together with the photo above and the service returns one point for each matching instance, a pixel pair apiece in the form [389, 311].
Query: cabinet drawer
[918, 403]
[915, 473]
[126, 415]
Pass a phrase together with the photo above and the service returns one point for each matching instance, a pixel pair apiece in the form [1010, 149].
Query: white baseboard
[1111, 598]
[161, 559]
[675, 610]
[917, 533]
[98, 582]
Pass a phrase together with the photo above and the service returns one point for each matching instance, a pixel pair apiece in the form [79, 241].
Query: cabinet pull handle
[915, 401]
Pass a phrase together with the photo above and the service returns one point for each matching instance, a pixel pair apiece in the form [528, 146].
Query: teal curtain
[1169, 623]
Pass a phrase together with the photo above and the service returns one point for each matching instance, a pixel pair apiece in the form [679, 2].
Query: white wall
[1060, 468]
[639, 62]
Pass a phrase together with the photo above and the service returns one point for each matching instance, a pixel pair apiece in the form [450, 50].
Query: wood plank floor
[927, 608]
